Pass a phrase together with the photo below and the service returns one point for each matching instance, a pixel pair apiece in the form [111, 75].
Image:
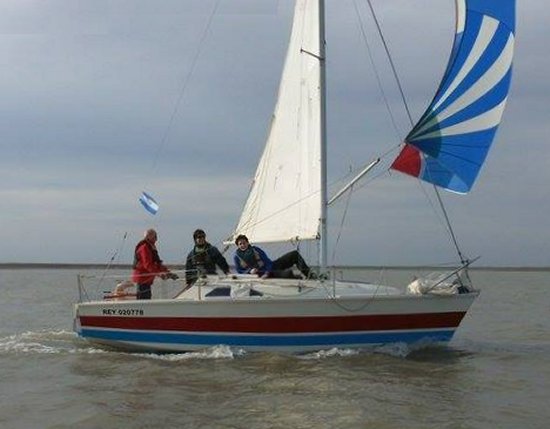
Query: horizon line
[92, 265]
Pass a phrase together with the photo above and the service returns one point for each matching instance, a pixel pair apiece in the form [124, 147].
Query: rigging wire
[451, 232]
[432, 205]
[148, 201]
[390, 59]
[406, 105]
[115, 254]
[375, 69]
[185, 83]
[339, 235]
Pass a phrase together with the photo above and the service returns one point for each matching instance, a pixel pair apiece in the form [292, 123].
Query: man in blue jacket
[253, 260]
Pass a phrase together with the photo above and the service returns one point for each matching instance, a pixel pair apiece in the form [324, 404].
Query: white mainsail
[284, 203]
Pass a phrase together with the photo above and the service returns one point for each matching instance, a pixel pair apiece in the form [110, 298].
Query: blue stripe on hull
[267, 341]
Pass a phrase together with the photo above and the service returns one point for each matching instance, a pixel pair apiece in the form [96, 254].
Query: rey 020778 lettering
[122, 312]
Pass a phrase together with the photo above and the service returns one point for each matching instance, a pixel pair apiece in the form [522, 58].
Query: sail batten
[470, 101]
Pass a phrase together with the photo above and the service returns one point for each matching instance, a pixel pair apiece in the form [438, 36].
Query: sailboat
[288, 202]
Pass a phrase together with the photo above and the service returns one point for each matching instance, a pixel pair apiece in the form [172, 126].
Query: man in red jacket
[148, 265]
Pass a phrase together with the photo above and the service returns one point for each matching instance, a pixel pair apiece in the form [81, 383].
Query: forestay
[285, 202]
[450, 142]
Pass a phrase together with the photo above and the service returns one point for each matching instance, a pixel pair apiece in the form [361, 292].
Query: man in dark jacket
[203, 259]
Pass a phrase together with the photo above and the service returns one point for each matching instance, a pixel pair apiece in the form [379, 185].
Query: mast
[323, 132]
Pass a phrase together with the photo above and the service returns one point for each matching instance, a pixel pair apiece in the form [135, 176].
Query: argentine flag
[149, 203]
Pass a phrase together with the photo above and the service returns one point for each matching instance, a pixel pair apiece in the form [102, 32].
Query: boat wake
[401, 350]
[398, 350]
[67, 342]
[216, 352]
[45, 342]
[323, 354]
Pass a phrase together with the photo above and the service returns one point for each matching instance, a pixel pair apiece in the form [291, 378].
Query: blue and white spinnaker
[449, 144]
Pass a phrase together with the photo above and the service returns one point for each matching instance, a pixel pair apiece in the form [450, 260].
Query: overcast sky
[102, 99]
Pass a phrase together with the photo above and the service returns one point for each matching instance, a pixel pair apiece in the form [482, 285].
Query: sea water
[494, 374]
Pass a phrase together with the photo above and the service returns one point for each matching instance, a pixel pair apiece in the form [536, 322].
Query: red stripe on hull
[277, 324]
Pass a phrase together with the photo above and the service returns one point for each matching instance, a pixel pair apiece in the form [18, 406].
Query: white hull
[281, 315]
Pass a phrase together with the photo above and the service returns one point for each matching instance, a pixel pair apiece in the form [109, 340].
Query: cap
[197, 233]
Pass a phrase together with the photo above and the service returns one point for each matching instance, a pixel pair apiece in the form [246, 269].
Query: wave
[67, 342]
[44, 342]
[323, 354]
[216, 352]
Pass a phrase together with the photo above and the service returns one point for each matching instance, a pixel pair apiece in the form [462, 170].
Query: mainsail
[284, 203]
[448, 146]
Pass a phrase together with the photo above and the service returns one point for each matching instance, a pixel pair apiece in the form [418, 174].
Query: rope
[398, 81]
[185, 83]
[335, 301]
[451, 232]
[376, 74]
[344, 215]
[394, 70]
[110, 263]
